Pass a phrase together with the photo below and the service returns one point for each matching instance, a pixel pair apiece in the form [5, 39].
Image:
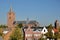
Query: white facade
[53, 32]
[44, 30]
[5, 32]
[28, 35]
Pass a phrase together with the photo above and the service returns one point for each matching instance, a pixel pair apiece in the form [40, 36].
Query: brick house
[31, 33]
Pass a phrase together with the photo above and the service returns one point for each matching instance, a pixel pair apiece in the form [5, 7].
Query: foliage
[42, 39]
[1, 31]
[17, 34]
[3, 26]
[50, 28]
[59, 29]
[49, 34]
[20, 25]
[56, 35]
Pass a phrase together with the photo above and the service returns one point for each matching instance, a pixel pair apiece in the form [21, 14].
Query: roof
[55, 30]
[35, 28]
[18, 22]
[26, 22]
[32, 22]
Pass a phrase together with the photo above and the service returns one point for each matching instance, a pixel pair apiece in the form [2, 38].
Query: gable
[44, 30]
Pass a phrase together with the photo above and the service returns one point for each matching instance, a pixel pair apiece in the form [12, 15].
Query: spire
[27, 20]
[11, 9]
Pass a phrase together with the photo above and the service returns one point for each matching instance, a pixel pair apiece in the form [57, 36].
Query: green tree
[17, 34]
[20, 25]
[1, 31]
[59, 29]
[3, 26]
[59, 32]
[49, 34]
[50, 28]
[42, 38]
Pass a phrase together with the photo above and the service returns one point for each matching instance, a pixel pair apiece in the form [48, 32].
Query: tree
[49, 34]
[59, 29]
[50, 28]
[59, 32]
[17, 34]
[20, 25]
[3, 26]
[56, 35]
[1, 31]
[42, 38]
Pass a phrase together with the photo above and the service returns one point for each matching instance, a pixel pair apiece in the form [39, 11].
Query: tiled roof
[55, 30]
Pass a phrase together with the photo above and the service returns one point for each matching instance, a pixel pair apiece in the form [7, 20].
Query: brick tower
[57, 24]
[10, 18]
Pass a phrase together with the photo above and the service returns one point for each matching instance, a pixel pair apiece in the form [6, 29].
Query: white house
[53, 32]
[5, 32]
[44, 30]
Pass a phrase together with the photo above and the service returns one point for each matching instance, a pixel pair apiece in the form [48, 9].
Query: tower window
[9, 13]
[9, 17]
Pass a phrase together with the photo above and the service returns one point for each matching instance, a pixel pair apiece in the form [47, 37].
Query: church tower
[10, 18]
[57, 24]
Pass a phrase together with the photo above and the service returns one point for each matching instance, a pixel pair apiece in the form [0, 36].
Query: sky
[43, 11]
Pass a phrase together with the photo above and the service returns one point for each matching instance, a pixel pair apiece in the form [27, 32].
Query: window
[29, 39]
[44, 30]
[9, 13]
[28, 35]
[9, 17]
[37, 35]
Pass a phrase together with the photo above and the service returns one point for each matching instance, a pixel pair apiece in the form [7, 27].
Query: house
[25, 22]
[28, 34]
[6, 30]
[44, 30]
[37, 34]
[32, 33]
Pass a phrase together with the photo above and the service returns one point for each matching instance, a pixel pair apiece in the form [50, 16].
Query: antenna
[11, 10]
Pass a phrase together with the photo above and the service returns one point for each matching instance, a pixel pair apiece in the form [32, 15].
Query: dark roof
[36, 27]
[18, 22]
[25, 22]
[32, 22]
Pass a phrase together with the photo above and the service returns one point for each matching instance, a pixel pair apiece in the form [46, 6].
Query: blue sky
[44, 11]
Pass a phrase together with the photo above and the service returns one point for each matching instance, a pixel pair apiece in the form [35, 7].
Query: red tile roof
[55, 30]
